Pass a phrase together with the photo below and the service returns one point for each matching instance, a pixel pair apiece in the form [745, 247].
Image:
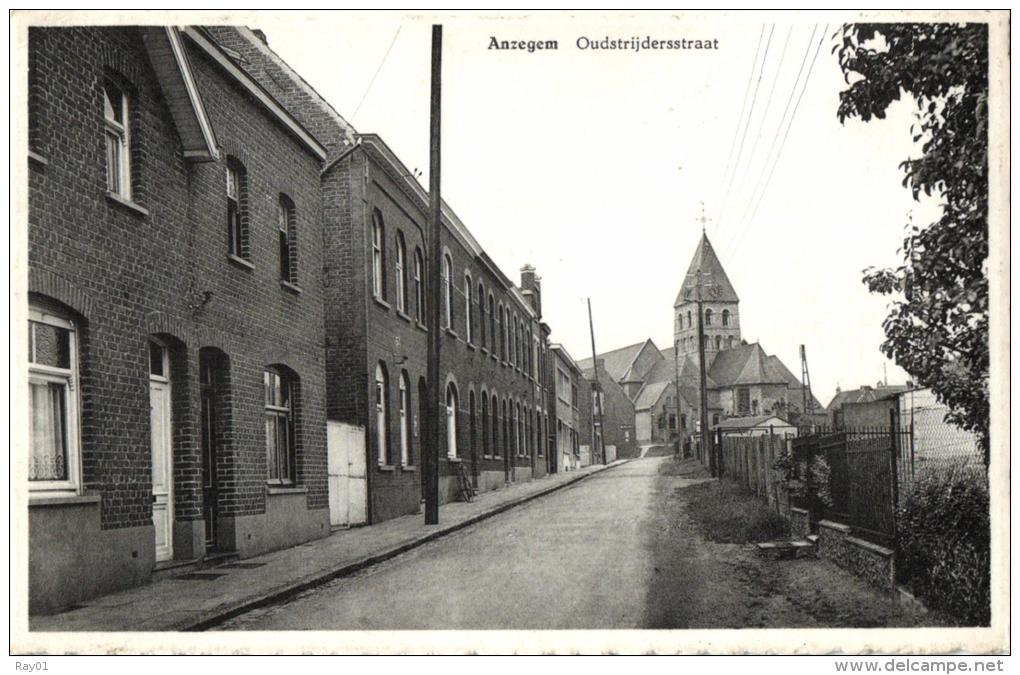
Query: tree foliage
[937, 327]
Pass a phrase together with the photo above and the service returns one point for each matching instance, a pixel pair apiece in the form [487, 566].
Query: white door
[162, 453]
[345, 466]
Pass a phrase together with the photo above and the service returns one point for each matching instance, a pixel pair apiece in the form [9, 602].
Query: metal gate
[346, 467]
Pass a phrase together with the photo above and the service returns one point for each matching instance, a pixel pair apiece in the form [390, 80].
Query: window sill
[240, 262]
[422, 327]
[35, 157]
[453, 460]
[484, 350]
[382, 303]
[126, 203]
[389, 468]
[409, 468]
[293, 288]
[471, 346]
[286, 489]
[404, 316]
[452, 333]
[62, 499]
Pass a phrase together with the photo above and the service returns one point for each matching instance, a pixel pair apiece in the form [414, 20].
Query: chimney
[261, 34]
[531, 288]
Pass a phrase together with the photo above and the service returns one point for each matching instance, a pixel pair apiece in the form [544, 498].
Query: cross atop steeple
[703, 219]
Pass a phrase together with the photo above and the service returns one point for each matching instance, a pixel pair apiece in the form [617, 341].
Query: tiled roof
[864, 395]
[717, 287]
[749, 422]
[650, 394]
[618, 361]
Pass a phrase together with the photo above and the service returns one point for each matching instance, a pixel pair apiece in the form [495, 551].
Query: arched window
[451, 420]
[688, 319]
[382, 446]
[472, 425]
[718, 342]
[494, 426]
[401, 270]
[448, 291]
[53, 402]
[726, 317]
[481, 314]
[708, 316]
[419, 289]
[506, 430]
[116, 107]
[468, 304]
[502, 332]
[378, 256]
[731, 340]
[286, 225]
[486, 445]
[280, 385]
[405, 416]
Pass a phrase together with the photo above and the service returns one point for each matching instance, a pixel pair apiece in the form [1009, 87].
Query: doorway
[161, 425]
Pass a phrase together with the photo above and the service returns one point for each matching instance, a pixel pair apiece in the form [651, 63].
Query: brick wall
[132, 272]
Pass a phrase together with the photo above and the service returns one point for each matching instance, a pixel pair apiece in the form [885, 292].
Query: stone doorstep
[786, 550]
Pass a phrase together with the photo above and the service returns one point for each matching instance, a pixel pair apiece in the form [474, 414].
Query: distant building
[741, 379]
[760, 425]
[617, 412]
[855, 404]
[569, 385]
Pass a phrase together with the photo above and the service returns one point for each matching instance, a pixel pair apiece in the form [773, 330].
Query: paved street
[618, 550]
[585, 566]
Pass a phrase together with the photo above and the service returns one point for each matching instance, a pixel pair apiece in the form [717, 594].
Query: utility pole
[433, 407]
[805, 381]
[676, 391]
[598, 421]
[706, 438]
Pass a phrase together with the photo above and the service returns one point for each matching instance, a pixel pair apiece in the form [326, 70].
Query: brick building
[572, 395]
[176, 369]
[617, 413]
[375, 217]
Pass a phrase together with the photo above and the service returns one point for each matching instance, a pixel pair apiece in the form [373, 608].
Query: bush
[944, 543]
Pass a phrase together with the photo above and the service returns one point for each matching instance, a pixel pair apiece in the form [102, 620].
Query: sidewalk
[222, 592]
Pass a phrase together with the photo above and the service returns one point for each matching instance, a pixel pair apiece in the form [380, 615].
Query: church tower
[719, 304]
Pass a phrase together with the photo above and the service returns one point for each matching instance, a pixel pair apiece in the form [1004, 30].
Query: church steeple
[719, 303]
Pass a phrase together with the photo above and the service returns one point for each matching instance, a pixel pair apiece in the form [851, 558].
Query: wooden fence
[749, 461]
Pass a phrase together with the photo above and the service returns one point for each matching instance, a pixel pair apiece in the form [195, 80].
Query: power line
[793, 118]
[782, 121]
[372, 81]
[768, 105]
[747, 125]
[743, 106]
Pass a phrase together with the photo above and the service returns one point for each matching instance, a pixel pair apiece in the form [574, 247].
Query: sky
[592, 166]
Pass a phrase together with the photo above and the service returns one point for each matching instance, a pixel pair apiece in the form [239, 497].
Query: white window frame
[377, 257]
[69, 378]
[419, 289]
[448, 290]
[400, 264]
[380, 415]
[121, 132]
[469, 333]
[404, 430]
[451, 421]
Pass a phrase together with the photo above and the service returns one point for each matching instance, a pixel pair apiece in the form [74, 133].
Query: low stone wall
[800, 523]
[865, 560]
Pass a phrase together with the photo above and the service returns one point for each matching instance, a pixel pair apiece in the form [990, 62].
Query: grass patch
[726, 513]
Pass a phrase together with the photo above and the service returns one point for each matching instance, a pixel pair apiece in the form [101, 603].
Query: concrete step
[786, 550]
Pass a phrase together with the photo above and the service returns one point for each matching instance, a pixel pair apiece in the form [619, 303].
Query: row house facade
[375, 258]
[176, 386]
[226, 317]
[571, 409]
